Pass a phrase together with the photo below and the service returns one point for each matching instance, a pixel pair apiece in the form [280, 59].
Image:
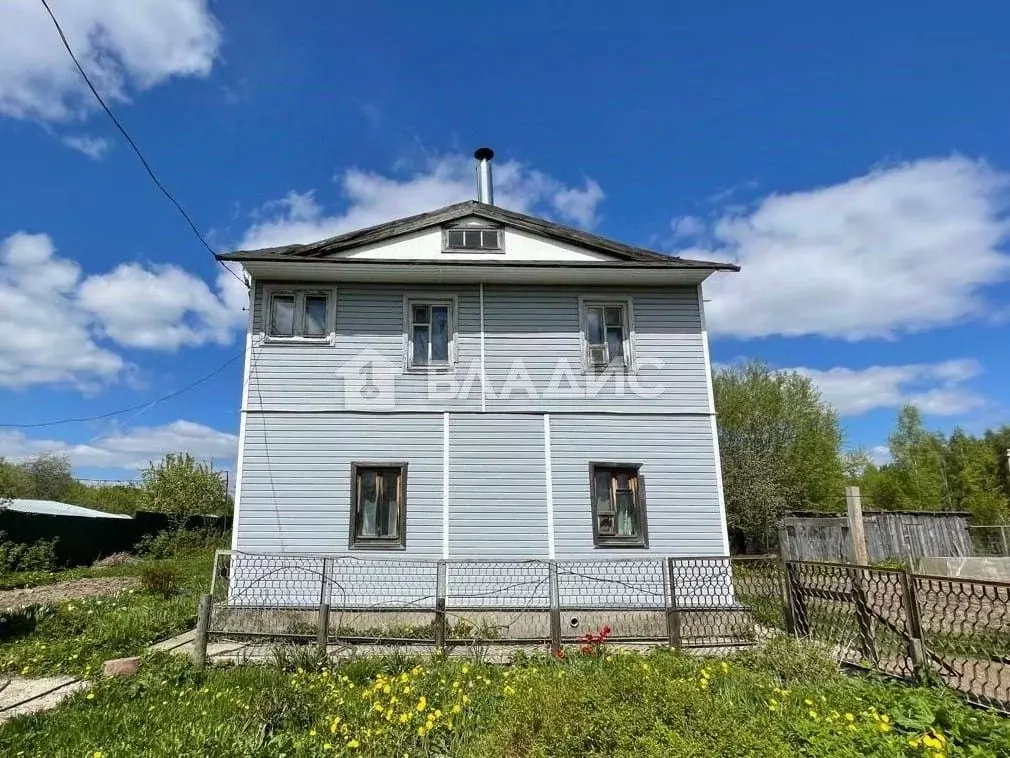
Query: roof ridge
[522, 221]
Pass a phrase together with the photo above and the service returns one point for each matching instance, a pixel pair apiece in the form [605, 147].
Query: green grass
[76, 636]
[783, 701]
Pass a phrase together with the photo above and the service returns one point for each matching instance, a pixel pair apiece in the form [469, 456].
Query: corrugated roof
[521, 221]
[54, 508]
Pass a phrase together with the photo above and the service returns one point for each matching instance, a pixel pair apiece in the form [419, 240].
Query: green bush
[173, 542]
[17, 556]
[163, 580]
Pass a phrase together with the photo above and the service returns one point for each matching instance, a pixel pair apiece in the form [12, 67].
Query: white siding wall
[497, 486]
[296, 489]
[528, 332]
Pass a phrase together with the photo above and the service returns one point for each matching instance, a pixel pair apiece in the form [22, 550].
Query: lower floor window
[378, 505]
[618, 504]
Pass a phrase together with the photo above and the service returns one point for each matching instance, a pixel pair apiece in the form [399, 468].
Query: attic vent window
[469, 240]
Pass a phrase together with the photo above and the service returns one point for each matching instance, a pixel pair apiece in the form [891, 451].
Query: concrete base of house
[697, 626]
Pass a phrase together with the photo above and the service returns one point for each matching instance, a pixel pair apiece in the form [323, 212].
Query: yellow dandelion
[456, 708]
[353, 744]
[808, 701]
[422, 703]
[812, 714]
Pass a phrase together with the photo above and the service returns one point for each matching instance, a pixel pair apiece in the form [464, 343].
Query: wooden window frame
[378, 543]
[627, 323]
[409, 301]
[299, 294]
[607, 541]
[447, 248]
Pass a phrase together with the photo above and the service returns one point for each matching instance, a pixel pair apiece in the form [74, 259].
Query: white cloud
[373, 198]
[93, 147]
[879, 454]
[46, 338]
[159, 307]
[124, 45]
[688, 227]
[902, 249]
[58, 322]
[936, 388]
[129, 449]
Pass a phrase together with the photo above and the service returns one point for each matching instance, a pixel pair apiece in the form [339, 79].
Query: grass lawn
[785, 700]
[76, 636]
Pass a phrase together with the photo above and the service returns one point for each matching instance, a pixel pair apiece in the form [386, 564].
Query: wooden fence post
[673, 620]
[440, 593]
[864, 615]
[199, 654]
[323, 627]
[857, 533]
[555, 603]
[913, 624]
[798, 603]
[785, 590]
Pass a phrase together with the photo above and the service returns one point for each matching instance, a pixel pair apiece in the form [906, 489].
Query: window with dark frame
[606, 334]
[298, 314]
[477, 239]
[618, 505]
[378, 505]
[430, 334]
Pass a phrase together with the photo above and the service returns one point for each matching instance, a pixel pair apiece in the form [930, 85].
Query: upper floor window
[606, 334]
[298, 314]
[466, 239]
[431, 333]
[618, 505]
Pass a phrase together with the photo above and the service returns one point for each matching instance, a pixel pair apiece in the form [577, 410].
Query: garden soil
[62, 591]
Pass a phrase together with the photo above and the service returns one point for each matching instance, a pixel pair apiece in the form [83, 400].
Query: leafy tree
[182, 486]
[49, 476]
[929, 471]
[111, 498]
[919, 464]
[781, 448]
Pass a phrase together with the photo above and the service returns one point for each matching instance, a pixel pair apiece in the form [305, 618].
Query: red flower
[560, 654]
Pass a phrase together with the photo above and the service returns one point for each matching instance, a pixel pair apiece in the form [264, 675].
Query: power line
[133, 145]
[141, 406]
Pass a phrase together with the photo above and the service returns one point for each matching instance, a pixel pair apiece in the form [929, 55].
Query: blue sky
[856, 165]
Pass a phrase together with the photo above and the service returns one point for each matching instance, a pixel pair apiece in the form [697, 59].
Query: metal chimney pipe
[485, 185]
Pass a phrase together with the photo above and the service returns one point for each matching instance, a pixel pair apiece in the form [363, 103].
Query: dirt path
[63, 591]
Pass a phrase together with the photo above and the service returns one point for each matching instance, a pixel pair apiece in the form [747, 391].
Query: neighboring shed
[54, 508]
[890, 535]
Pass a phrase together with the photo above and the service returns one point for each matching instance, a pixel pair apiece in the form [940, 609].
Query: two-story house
[474, 382]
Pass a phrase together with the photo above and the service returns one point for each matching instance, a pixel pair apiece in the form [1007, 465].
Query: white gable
[518, 246]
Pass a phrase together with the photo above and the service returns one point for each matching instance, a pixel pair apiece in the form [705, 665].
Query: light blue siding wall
[497, 486]
[529, 331]
[300, 439]
[541, 328]
[678, 467]
[368, 318]
[296, 479]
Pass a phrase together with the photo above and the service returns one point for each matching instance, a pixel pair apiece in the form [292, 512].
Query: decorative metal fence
[687, 602]
[896, 622]
[908, 625]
